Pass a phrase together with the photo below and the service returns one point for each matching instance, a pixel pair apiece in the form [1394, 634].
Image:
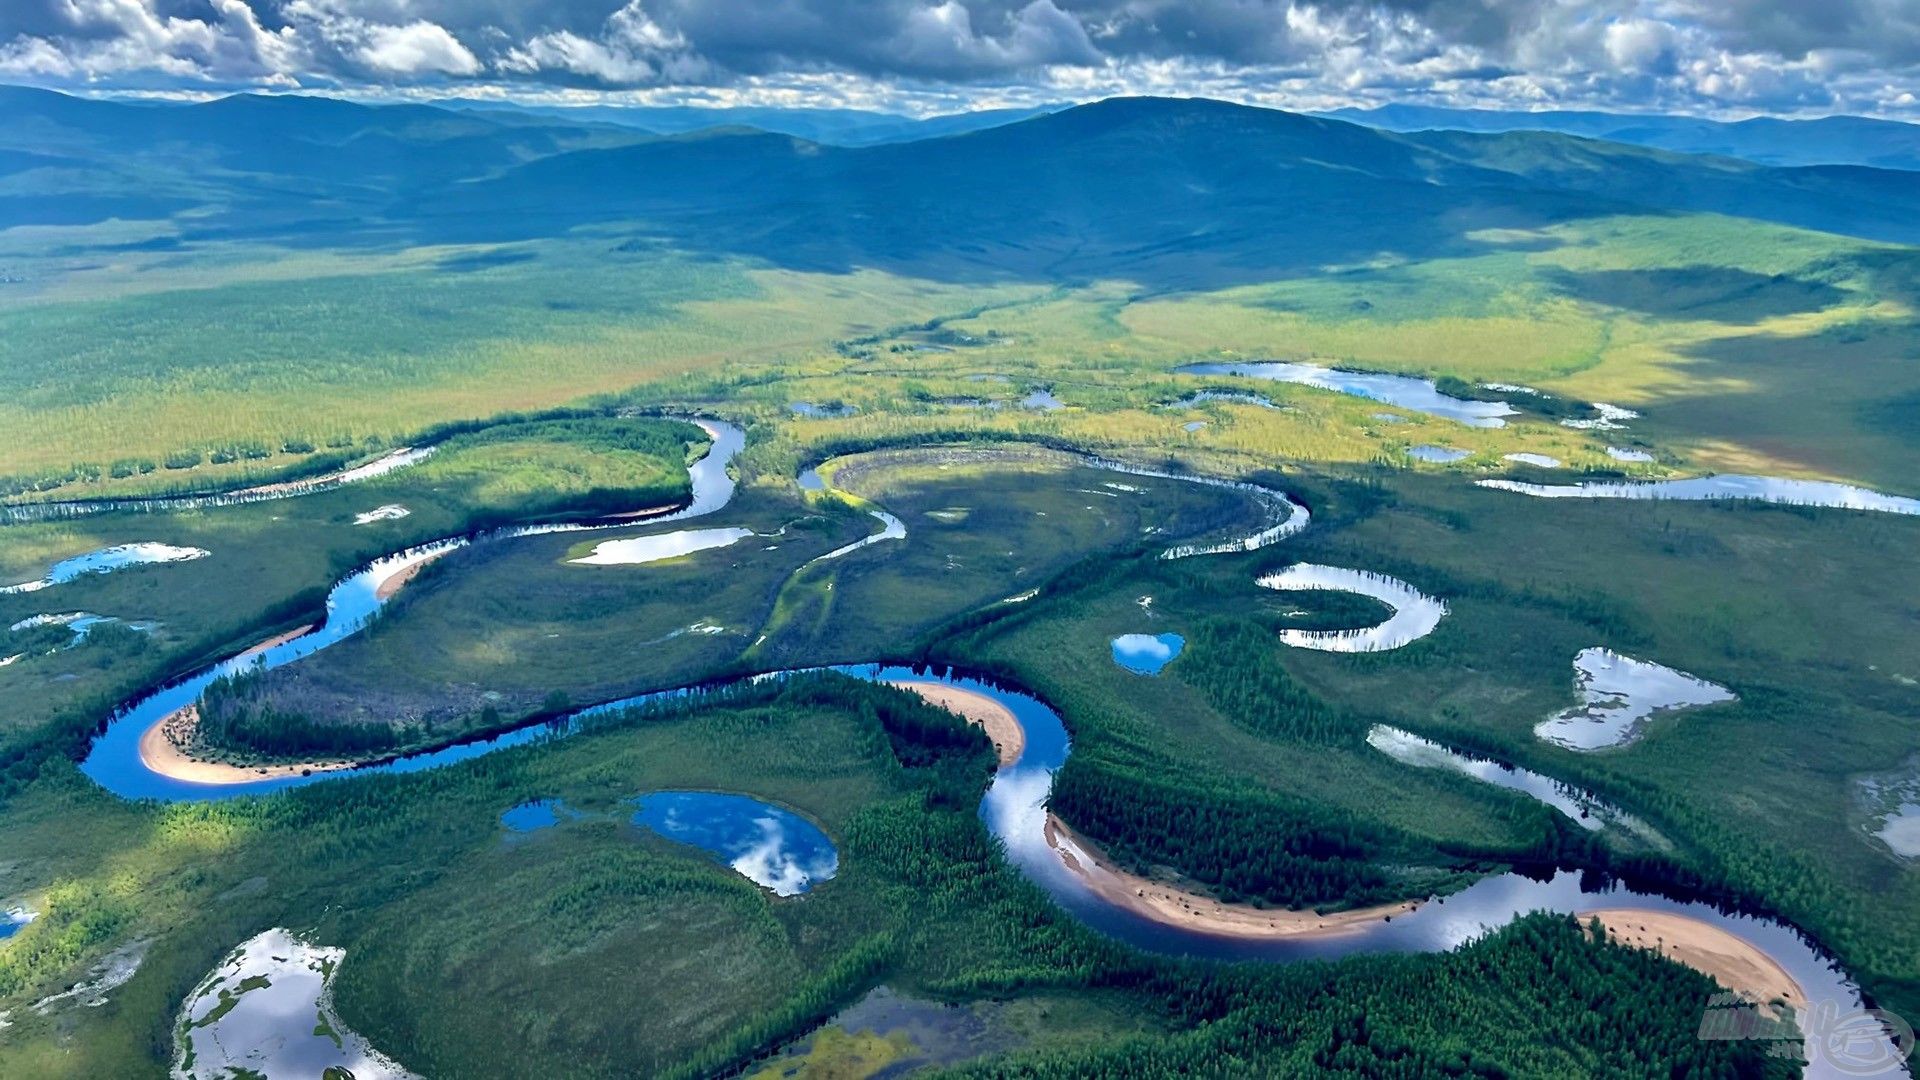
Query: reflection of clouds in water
[1619, 696]
[1146, 654]
[1415, 614]
[646, 549]
[768, 846]
[1727, 486]
[786, 870]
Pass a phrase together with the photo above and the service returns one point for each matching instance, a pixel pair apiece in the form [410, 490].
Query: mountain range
[1168, 192]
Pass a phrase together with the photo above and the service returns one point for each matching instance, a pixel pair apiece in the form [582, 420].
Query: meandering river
[1014, 807]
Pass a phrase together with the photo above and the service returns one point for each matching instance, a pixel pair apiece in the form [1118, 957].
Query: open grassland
[351, 354]
[1723, 332]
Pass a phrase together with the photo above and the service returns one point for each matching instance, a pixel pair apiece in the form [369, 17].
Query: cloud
[415, 49]
[1708, 56]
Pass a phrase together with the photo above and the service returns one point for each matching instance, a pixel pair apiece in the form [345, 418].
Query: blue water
[771, 847]
[536, 815]
[1146, 654]
[106, 560]
[114, 759]
[1440, 454]
[12, 922]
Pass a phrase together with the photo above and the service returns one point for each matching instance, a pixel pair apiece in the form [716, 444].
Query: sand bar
[1164, 903]
[1732, 962]
[278, 640]
[1002, 727]
[161, 752]
[400, 577]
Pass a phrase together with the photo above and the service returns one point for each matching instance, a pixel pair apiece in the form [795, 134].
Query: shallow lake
[1420, 395]
[1441, 455]
[1774, 489]
[774, 848]
[1620, 696]
[1147, 654]
[106, 560]
[265, 1012]
[1415, 614]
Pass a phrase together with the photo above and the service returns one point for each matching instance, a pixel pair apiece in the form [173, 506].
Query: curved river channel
[1014, 807]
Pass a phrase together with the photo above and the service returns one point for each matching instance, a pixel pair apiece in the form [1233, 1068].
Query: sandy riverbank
[1163, 903]
[278, 639]
[637, 515]
[392, 583]
[1002, 727]
[1733, 963]
[162, 751]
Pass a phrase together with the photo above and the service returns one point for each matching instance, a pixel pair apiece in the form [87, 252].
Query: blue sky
[1709, 57]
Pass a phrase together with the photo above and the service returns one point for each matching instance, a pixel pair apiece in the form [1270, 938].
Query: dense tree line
[1226, 662]
[1246, 848]
[235, 715]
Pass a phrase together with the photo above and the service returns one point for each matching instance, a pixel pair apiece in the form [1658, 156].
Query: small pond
[107, 560]
[773, 848]
[12, 920]
[1605, 418]
[1042, 401]
[1420, 395]
[636, 550]
[822, 412]
[1442, 455]
[1147, 654]
[1638, 457]
[1620, 696]
[1540, 461]
[389, 512]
